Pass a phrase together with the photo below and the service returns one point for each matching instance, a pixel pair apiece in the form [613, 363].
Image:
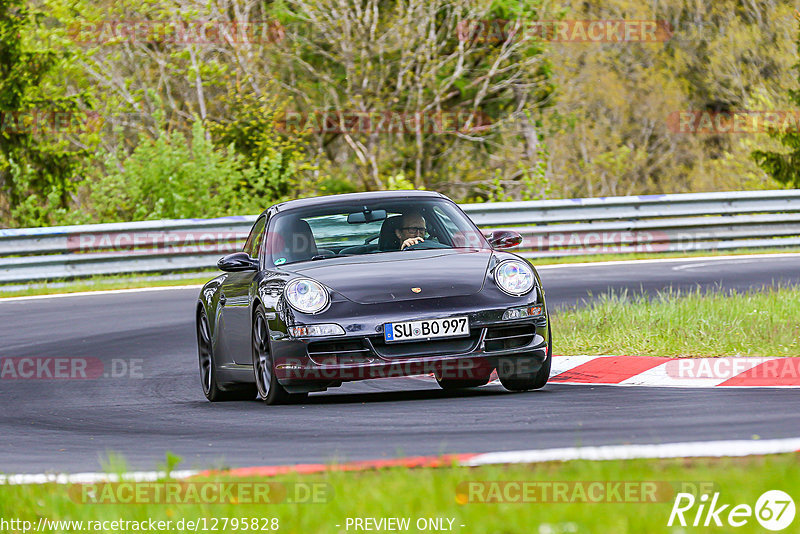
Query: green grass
[752, 323]
[101, 283]
[441, 493]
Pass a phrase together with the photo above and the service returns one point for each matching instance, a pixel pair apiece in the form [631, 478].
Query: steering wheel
[424, 245]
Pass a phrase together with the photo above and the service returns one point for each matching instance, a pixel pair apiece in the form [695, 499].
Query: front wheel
[269, 390]
[208, 368]
[512, 375]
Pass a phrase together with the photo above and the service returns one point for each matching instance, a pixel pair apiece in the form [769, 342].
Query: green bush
[170, 178]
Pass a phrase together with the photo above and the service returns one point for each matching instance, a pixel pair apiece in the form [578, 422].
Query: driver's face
[413, 226]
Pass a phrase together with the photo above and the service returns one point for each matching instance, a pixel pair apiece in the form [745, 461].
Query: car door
[235, 302]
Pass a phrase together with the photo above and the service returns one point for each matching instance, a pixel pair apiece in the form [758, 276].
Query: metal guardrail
[550, 228]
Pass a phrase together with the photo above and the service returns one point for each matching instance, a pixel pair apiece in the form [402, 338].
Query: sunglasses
[414, 229]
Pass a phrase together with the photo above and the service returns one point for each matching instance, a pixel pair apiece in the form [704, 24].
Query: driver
[412, 230]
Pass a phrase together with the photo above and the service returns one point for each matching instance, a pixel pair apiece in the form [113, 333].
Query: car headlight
[514, 277]
[306, 295]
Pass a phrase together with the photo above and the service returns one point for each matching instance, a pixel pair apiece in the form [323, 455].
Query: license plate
[426, 329]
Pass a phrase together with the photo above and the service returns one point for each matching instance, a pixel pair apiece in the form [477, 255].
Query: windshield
[375, 227]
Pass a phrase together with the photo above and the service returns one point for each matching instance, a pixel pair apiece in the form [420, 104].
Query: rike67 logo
[774, 510]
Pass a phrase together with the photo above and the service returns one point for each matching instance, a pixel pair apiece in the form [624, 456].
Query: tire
[269, 390]
[527, 381]
[208, 368]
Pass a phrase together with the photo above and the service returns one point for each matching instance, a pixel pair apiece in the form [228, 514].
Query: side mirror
[504, 239]
[237, 262]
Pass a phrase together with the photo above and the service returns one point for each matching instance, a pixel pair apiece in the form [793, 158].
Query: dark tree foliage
[46, 162]
[784, 166]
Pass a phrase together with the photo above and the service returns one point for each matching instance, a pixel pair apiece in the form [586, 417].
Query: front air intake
[339, 352]
[509, 337]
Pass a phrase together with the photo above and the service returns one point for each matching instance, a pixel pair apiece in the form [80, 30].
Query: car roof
[352, 197]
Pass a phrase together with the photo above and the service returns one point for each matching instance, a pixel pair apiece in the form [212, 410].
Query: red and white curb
[700, 449]
[653, 371]
[676, 372]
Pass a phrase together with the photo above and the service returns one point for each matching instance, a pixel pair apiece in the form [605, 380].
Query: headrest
[299, 241]
[388, 239]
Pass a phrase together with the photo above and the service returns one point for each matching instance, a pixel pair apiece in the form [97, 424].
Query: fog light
[521, 313]
[316, 330]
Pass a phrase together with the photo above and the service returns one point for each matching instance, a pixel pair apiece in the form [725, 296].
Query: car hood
[390, 276]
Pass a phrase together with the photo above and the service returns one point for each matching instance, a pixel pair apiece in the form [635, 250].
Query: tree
[784, 166]
[400, 60]
[37, 159]
[252, 130]
[170, 177]
[190, 65]
[608, 132]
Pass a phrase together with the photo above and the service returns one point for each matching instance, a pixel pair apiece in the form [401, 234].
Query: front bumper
[311, 364]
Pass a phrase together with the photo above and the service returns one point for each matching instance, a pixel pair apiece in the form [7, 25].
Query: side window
[449, 226]
[253, 244]
[460, 235]
[448, 223]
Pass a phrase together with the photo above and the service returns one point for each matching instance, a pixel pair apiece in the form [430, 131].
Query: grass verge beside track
[596, 258]
[102, 283]
[690, 324]
[642, 502]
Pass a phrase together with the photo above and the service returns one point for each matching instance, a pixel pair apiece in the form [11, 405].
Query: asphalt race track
[69, 425]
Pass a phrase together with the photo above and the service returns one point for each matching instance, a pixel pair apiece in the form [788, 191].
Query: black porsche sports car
[370, 285]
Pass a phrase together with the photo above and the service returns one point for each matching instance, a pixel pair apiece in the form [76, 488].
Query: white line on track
[699, 449]
[691, 266]
[665, 260]
[91, 478]
[697, 385]
[102, 292]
